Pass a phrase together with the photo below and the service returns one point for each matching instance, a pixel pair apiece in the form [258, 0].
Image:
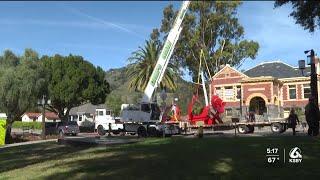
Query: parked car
[68, 128]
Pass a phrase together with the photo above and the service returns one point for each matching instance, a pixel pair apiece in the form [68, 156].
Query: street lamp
[43, 102]
[313, 75]
[302, 66]
[313, 86]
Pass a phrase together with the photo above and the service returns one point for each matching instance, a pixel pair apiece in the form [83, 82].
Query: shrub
[31, 125]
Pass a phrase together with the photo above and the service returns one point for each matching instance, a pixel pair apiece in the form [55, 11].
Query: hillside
[119, 88]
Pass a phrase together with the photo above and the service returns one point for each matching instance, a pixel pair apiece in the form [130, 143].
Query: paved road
[258, 132]
[94, 138]
[264, 131]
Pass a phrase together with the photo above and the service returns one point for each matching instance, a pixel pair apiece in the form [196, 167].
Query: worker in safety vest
[175, 111]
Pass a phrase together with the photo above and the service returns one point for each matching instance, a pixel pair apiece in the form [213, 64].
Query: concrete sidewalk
[105, 140]
[27, 143]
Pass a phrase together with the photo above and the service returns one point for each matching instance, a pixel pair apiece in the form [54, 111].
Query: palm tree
[143, 62]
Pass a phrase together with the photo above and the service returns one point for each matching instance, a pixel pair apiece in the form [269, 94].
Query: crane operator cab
[142, 112]
[151, 108]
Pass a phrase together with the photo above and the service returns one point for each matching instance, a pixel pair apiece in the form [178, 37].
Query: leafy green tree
[211, 26]
[9, 59]
[21, 84]
[306, 13]
[114, 103]
[73, 81]
[142, 64]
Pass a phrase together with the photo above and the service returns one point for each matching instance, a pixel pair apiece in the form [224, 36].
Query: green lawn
[168, 158]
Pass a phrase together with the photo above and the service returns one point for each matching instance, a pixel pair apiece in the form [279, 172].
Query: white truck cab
[104, 118]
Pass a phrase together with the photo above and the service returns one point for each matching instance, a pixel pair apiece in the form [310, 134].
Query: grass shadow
[21, 156]
[177, 158]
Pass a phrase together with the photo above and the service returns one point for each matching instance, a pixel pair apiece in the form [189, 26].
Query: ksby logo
[295, 155]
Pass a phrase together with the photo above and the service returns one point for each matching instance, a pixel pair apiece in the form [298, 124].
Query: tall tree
[211, 26]
[114, 103]
[73, 81]
[306, 13]
[142, 64]
[21, 84]
[9, 59]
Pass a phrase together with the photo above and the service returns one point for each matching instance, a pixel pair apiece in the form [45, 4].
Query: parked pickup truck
[103, 119]
[68, 128]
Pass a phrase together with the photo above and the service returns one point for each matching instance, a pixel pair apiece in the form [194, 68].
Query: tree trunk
[8, 138]
[64, 116]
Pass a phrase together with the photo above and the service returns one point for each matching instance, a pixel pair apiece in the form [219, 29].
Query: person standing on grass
[293, 120]
[312, 117]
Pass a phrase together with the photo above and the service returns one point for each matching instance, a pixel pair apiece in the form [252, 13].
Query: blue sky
[106, 33]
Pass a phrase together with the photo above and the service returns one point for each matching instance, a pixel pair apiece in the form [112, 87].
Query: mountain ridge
[119, 87]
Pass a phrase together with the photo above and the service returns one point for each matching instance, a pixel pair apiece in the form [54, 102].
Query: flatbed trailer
[277, 125]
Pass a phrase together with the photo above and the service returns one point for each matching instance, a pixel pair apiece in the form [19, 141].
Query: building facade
[269, 89]
[37, 117]
[85, 113]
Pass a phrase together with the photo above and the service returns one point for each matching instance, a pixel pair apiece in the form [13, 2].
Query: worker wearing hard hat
[175, 111]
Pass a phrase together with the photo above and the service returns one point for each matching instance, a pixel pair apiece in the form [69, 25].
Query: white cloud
[105, 22]
[56, 23]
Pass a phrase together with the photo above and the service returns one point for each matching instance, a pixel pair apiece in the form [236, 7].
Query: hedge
[31, 125]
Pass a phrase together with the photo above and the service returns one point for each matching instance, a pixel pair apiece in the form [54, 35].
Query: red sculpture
[210, 114]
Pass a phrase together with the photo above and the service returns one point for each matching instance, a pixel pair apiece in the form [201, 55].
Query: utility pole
[43, 134]
[313, 76]
[313, 87]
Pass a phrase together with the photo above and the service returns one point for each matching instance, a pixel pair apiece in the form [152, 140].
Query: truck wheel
[276, 128]
[115, 132]
[243, 129]
[251, 128]
[101, 131]
[284, 128]
[132, 134]
[142, 132]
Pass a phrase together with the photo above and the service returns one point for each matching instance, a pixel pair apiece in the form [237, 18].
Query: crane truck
[145, 118]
